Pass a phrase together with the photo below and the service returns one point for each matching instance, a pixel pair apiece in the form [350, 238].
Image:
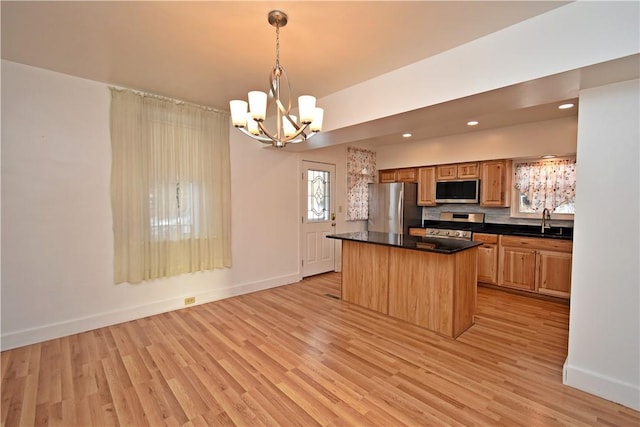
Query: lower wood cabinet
[368, 282]
[535, 264]
[518, 268]
[554, 270]
[487, 258]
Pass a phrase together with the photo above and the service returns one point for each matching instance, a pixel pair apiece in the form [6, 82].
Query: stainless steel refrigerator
[393, 207]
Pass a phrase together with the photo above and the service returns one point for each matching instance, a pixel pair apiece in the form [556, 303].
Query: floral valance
[546, 184]
[361, 170]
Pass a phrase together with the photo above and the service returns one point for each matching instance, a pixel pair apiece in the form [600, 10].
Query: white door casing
[318, 217]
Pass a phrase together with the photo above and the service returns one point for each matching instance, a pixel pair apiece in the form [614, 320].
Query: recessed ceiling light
[472, 123]
[549, 156]
[406, 135]
[565, 106]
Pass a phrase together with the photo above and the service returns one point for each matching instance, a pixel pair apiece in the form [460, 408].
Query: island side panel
[365, 275]
[421, 289]
[465, 290]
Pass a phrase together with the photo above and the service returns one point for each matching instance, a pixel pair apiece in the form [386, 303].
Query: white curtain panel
[170, 187]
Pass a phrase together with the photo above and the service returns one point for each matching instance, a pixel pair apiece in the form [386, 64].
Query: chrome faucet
[546, 220]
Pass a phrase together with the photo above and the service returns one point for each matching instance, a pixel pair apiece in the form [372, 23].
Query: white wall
[57, 240]
[604, 329]
[528, 140]
[567, 38]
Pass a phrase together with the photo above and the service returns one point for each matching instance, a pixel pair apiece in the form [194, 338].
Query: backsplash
[492, 215]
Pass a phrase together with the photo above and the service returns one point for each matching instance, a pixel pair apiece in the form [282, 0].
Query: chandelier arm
[261, 138]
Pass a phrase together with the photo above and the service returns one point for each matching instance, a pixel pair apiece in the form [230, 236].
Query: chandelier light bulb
[238, 113]
[258, 105]
[316, 124]
[306, 108]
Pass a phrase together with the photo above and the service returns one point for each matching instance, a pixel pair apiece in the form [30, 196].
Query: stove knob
[460, 234]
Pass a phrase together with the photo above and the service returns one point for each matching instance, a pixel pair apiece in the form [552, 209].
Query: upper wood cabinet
[388, 175]
[398, 175]
[495, 183]
[427, 186]
[457, 171]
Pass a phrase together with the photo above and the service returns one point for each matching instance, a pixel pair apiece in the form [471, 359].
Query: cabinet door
[406, 175]
[517, 268]
[444, 172]
[427, 186]
[488, 263]
[495, 184]
[468, 170]
[554, 273]
[388, 175]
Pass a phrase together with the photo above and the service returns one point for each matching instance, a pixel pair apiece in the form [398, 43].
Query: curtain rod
[165, 98]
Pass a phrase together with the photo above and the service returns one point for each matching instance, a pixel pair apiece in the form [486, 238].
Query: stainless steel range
[455, 225]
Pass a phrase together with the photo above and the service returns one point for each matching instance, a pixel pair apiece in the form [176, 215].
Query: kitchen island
[430, 282]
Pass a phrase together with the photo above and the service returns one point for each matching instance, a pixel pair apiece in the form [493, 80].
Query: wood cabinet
[554, 270]
[535, 264]
[457, 171]
[427, 186]
[434, 290]
[495, 183]
[487, 258]
[365, 283]
[387, 175]
[398, 175]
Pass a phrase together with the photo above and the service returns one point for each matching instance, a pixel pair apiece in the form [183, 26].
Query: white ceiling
[209, 52]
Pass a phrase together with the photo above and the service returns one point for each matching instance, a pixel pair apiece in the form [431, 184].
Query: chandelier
[249, 117]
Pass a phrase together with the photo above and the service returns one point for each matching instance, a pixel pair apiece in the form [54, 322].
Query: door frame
[301, 212]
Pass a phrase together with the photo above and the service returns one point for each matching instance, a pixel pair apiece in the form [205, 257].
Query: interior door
[318, 218]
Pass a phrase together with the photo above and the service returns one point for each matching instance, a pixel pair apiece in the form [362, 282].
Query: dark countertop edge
[463, 245]
[519, 230]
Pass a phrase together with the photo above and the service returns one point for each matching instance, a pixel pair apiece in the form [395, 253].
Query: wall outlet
[189, 300]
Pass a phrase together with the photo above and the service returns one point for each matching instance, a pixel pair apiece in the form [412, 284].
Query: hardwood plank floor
[295, 356]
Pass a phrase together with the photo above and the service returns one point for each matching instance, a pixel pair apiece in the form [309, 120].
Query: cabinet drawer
[417, 232]
[485, 238]
[537, 243]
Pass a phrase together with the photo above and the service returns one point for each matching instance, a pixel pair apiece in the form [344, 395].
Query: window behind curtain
[170, 187]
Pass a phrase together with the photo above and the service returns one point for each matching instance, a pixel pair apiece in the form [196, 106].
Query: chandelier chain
[278, 46]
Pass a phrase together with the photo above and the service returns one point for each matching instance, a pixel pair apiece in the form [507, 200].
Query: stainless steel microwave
[458, 191]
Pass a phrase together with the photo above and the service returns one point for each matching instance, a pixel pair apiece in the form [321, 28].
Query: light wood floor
[293, 356]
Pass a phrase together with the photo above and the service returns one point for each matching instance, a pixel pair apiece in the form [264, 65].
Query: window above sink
[539, 184]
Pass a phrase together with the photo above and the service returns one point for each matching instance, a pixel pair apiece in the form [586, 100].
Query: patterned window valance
[361, 170]
[546, 184]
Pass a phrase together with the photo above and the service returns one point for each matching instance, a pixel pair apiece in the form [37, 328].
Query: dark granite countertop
[404, 241]
[563, 233]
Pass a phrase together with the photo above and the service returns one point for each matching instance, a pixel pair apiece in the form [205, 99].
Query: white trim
[612, 389]
[83, 324]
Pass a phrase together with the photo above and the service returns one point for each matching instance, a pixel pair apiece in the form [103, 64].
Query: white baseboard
[78, 325]
[606, 387]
